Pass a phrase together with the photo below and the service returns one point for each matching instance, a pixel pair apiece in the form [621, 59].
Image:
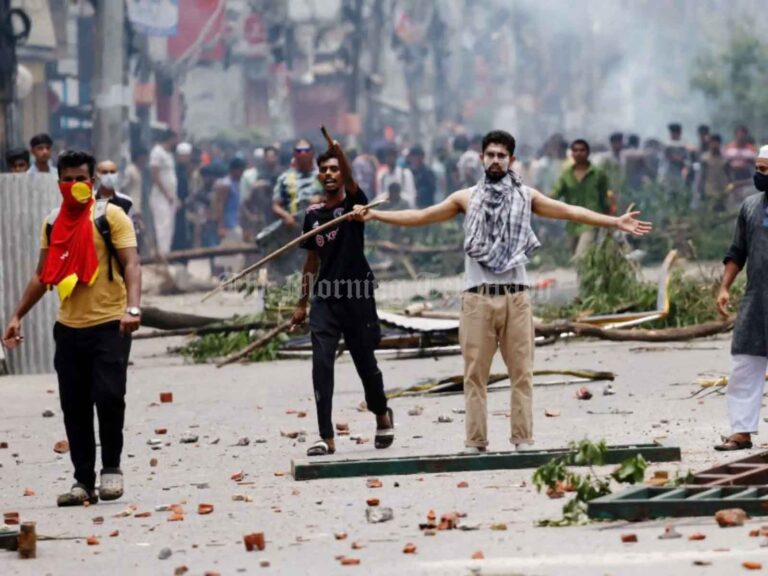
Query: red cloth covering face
[71, 251]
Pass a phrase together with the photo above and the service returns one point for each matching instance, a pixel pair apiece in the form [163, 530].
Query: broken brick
[180, 571]
[237, 476]
[697, 536]
[166, 397]
[499, 526]
[92, 541]
[143, 515]
[61, 447]
[98, 520]
[347, 561]
[114, 534]
[204, 509]
[161, 431]
[551, 413]
[409, 549]
[254, 540]
[478, 555]
[340, 535]
[153, 462]
[175, 517]
[29, 492]
[342, 427]
[583, 393]
[752, 565]
[462, 485]
[628, 538]
[373, 483]
[731, 517]
[301, 415]
[754, 533]
[357, 545]
[372, 501]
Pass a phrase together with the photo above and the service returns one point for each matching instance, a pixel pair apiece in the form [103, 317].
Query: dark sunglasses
[303, 150]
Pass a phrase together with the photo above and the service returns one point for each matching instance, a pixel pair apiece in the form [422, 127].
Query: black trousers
[92, 364]
[358, 322]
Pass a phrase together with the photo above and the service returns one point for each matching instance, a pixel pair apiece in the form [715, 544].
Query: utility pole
[110, 105]
[9, 38]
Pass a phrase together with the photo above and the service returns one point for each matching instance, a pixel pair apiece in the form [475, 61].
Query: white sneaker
[111, 485]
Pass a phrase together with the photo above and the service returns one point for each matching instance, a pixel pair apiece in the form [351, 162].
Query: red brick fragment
[409, 548]
[61, 447]
[628, 538]
[204, 509]
[478, 556]
[697, 536]
[731, 517]
[347, 561]
[372, 501]
[166, 397]
[92, 541]
[752, 565]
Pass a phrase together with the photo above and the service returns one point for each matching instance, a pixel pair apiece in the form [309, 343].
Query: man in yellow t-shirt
[93, 331]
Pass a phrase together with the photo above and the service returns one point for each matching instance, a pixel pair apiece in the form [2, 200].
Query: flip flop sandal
[733, 445]
[320, 448]
[385, 436]
[77, 495]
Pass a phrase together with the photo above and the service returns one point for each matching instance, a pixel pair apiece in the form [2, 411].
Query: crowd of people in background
[183, 195]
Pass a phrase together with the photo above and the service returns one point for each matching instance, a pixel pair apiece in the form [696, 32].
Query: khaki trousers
[489, 323]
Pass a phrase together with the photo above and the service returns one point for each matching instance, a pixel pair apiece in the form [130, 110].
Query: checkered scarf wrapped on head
[498, 224]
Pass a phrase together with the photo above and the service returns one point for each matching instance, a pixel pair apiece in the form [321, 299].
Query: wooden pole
[255, 345]
[285, 248]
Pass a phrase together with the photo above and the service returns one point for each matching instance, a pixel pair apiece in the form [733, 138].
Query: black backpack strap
[49, 221]
[102, 225]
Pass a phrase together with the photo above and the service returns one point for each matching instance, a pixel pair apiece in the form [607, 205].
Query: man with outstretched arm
[496, 309]
[339, 277]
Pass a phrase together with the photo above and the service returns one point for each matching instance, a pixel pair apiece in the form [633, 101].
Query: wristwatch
[134, 311]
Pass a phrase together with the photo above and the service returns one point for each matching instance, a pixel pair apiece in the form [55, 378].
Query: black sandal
[385, 436]
[320, 448]
[731, 445]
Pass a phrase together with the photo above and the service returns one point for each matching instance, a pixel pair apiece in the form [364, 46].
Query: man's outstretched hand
[362, 213]
[630, 224]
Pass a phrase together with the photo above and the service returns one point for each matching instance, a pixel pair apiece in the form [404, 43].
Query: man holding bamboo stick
[339, 277]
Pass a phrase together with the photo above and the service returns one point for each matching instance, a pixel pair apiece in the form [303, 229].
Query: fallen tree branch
[222, 329]
[164, 320]
[636, 334]
[245, 352]
[199, 253]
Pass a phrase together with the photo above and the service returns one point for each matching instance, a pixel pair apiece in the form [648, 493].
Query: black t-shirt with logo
[344, 271]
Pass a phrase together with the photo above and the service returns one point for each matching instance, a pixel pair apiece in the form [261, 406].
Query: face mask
[761, 181]
[109, 181]
[81, 192]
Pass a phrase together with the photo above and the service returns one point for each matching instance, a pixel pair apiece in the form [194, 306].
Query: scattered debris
[702, 563]
[499, 526]
[444, 419]
[628, 538]
[583, 393]
[180, 571]
[462, 484]
[61, 447]
[11, 518]
[161, 431]
[347, 561]
[29, 492]
[114, 534]
[551, 413]
[752, 565]
[373, 483]
[696, 536]
[203, 509]
[293, 435]
[416, 411]
[378, 514]
[608, 390]
[478, 555]
[154, 442]
[166, 397]
[244, 441]
[164, 554]
[153, 462]
[660, 478]
[92, 541]
[238, 476]
[357, 545]
[189, 438]
[254, 540]
[670, 533]
[409, 549]
[372, 501]
[48, 414]
[98, 520]
[731, 517]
